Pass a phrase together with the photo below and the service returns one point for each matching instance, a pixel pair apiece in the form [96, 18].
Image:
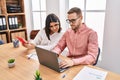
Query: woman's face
[54, 27]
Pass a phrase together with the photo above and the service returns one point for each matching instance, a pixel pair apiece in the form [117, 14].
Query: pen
[30, 56]
[64, 75]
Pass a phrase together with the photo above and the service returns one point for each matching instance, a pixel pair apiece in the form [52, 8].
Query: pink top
[82, 45]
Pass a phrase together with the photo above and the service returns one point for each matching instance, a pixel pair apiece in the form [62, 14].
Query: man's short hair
[75, 10]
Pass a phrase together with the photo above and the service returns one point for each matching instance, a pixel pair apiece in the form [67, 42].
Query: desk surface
[25, 68]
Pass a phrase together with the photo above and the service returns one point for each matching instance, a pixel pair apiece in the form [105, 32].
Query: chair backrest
[33, 33]
[97, 56]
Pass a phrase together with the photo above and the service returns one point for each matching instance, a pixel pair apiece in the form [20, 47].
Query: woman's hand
[29, 45]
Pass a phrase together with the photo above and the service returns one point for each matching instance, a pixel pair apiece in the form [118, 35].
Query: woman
[48, 37]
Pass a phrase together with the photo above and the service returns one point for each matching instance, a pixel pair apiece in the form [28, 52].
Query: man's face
[74, 20]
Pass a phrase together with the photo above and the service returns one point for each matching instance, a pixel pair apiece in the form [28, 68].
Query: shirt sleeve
[37, 40]
[53, 42]
[61, 45]
[48, 47]
[92, 52]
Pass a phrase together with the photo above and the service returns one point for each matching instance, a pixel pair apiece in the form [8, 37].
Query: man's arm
[61, 45]
[92, 51]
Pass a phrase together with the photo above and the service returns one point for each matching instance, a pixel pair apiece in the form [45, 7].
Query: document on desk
[88, 73]
[32, 55]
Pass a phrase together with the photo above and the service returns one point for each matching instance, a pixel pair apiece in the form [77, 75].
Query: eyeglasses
[72, 20]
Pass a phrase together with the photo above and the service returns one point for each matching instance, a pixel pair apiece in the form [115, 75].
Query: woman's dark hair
[51, 18]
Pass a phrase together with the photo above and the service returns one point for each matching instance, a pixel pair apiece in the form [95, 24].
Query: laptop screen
[48, 58]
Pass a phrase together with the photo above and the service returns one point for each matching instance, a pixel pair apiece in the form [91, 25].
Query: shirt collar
[82, 27]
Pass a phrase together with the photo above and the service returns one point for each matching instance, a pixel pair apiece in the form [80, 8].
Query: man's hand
[66, 62]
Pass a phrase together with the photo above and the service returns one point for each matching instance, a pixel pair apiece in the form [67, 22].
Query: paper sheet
[32, 55]
[88, 73]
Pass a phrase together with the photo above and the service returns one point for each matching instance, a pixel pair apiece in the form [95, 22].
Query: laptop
[49, 59]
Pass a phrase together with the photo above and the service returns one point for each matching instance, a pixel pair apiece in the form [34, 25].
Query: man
[81, 41]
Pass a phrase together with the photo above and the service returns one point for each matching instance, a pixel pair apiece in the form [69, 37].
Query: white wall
[60, 9]
[64, 6]
[52, 7]
[111, 42]
[28, 16]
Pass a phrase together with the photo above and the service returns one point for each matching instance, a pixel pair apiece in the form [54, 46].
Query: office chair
[33, 33]
[97, 56]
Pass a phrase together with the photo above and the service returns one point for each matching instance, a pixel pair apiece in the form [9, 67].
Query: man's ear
[81, 17]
